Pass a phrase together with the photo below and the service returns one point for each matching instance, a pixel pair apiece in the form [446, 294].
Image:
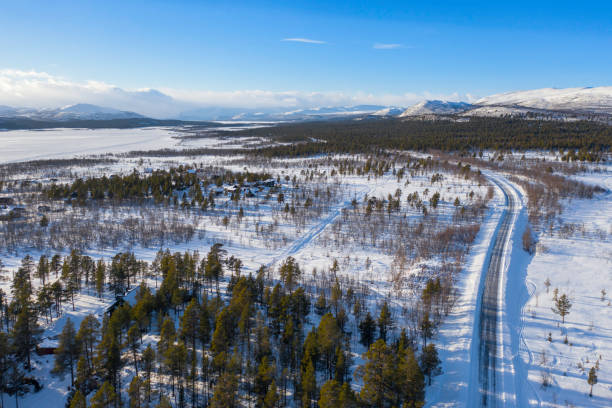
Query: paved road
[489, 307]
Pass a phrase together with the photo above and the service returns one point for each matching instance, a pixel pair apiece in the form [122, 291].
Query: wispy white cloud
[384, 46]
[304, 40]
[43, 90]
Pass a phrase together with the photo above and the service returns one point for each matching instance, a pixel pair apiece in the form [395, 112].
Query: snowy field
[575, 259]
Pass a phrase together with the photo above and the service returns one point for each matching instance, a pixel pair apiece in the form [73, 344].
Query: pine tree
[26, 333]
[105, 397]
[271, 399]
[309, 385]
[214, 269]
[43, 269]
[427, 328]
[290, 273]
[83, 374]
[67, 352]
[347, 397]
[108, 359]
[430, 363]
[263, 379]
[175, 360]
[164, 402]
[148, 361]
[100, 277]
[384, 321]
[135, 392]
[204, 320]
[22, 286]
[133, 343]
[592, 380]
[190, 324]
[321, 305]
[167, 337]
[329, 337]
[87, 337]
[78, 400]
[411, 381]
[15, 381]
[225, 392]
[562, 306]
[390, 377]
[4, 364]
[71, 278]
[341, 365]
[377, 375]
[367, 329]
[330, 395]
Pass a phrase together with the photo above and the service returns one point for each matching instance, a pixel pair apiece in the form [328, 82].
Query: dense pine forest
[473, 135]
[210, 336]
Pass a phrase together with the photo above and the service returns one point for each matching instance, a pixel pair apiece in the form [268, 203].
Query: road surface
[490, 305]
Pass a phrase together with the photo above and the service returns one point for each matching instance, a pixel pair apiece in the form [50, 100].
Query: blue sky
[195, 49]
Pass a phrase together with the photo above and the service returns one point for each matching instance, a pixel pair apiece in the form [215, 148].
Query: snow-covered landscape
[542, 362]
[305, 204]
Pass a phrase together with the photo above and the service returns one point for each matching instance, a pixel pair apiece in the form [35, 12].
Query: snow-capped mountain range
[570, 103]
[80, 111]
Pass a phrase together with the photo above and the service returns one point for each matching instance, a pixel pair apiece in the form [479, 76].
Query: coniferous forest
[225, 339]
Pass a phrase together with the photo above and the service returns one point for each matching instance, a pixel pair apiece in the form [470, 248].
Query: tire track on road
[490, 305]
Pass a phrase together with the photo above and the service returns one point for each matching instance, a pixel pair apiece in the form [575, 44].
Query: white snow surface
[578, 264]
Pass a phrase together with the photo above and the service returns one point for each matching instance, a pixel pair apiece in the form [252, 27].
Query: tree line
[473, 135]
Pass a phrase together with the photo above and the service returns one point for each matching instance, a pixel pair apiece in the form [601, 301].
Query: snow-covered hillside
[435, 107]
[596, 100]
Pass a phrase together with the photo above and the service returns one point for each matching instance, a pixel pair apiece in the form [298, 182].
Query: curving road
[490, 305]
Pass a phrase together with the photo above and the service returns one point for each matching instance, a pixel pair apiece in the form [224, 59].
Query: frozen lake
[26, 145]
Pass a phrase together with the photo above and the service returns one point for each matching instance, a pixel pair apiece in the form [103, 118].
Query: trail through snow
[316, 229]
